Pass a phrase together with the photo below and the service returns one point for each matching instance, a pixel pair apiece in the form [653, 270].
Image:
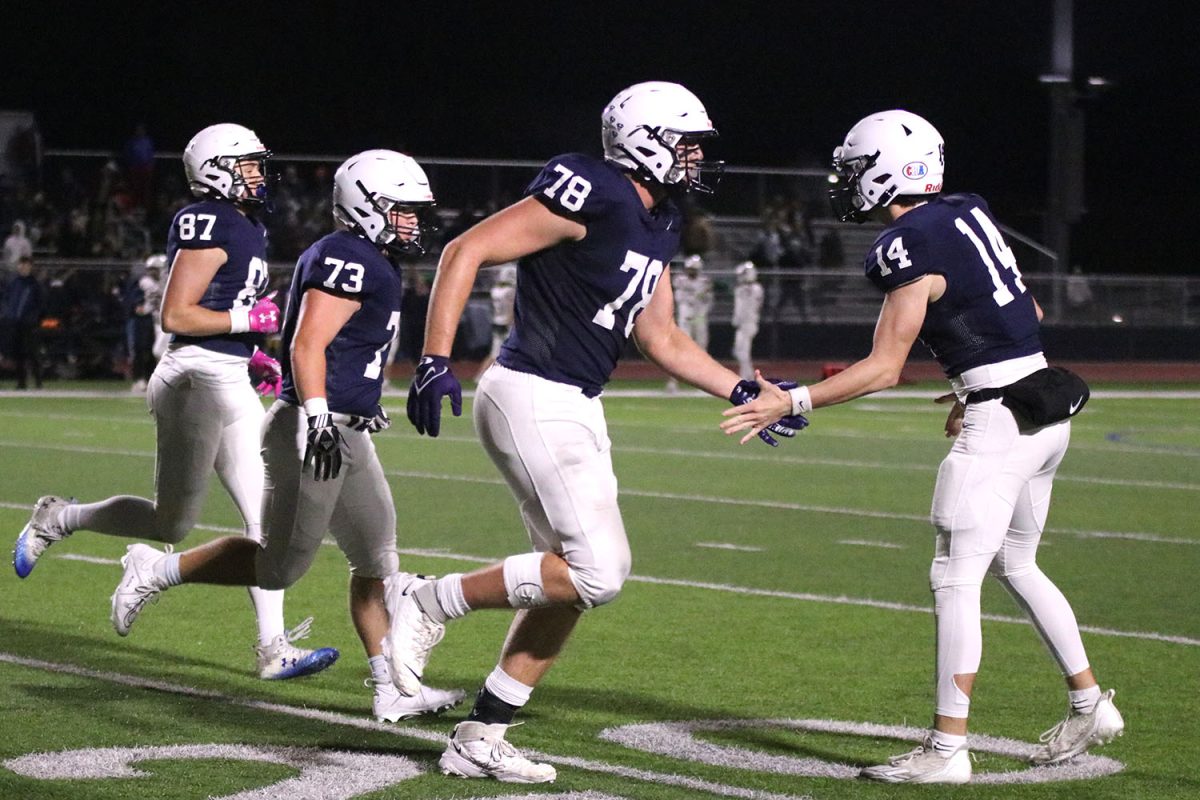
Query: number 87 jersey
[986, 314]
[577, 301]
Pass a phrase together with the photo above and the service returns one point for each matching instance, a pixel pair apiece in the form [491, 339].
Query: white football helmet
[370, 185]
[157, 261]
[885, 156]
[746, 272]
[506, 275]
[645, 127]
[211, 162]
[693, 262]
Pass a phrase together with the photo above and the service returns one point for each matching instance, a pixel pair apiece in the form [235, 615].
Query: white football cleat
[140, 584]
[477, 750]
[923, 765]
[1078, 732]
[43, 529]
[281, 659]
[391, 706]
[411, 637]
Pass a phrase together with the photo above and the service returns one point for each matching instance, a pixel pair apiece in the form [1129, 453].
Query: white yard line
[751, 592]
[400, 729]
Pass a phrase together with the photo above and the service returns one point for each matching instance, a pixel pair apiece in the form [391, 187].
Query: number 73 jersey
[986, 314]
[577, 302]
[348, 266]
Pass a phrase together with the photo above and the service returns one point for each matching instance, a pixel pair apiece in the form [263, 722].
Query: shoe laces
[428, 633]
[299, 632]
[919, 750]
[1054, 732]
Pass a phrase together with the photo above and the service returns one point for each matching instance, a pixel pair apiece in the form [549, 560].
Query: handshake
[748, 391]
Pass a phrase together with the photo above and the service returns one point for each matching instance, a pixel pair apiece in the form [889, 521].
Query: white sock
[507, 688]
[442, 599]
[169, 570]
[1084, 701]
[945, 744]
[268, 612]
[379, 669]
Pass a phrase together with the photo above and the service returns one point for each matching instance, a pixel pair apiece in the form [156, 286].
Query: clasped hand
[765, 407]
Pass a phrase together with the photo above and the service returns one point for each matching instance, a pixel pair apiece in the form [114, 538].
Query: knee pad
[599, 585]
[523, 581]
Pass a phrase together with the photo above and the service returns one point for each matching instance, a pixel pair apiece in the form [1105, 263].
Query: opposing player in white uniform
[323, 474]
[593, 238]
[693, 300]
[206, 413]
[747, 308]
[949, 277]
[152, 287]
[504, 298]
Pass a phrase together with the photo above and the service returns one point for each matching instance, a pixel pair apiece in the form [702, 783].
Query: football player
[948, 277]
[323, 474]
[206, 413]
[593, 238]
[747, 308]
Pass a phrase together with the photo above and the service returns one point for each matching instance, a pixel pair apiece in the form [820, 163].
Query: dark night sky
[783, 82]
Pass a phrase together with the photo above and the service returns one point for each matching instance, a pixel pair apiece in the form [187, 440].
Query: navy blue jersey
[577, 301]
[986, 314]
[347, 265]
[240, 281]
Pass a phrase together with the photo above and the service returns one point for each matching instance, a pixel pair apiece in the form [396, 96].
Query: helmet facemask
[401, 240]
[239, 190]
[846, 198]
[689, 173]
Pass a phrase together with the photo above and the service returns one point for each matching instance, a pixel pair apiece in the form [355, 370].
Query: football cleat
[411, 637]
[391, 706]
[1078, 732]
[923, 765]
[281, 659]
[43, 529]
[477, 750]
[140, 584]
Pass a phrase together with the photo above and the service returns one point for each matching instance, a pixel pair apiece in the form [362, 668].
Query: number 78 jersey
[577, 302]
[987, 314]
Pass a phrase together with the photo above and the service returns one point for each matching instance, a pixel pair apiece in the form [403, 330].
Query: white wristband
[239, 320]
[801, 400]
[316, 405]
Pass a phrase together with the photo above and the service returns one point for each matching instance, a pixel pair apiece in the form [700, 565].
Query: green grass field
[770, 587]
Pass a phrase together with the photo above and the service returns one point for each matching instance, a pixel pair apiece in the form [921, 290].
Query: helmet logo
[915, 170]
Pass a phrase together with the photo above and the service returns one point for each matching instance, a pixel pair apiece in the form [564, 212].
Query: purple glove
[432, 381]
[745, 391]
[267, 373]
[264, 316]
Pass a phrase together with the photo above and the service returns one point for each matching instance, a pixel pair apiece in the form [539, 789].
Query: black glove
[377, 423]
[324, 448]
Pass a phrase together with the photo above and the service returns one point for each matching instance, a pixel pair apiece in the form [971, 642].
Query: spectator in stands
[1079, 291]
[17, 246]
[138, 160]
[504, 297]
[20, 316]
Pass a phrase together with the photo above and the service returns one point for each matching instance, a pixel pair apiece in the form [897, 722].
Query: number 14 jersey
[577, 301]
[986, 315]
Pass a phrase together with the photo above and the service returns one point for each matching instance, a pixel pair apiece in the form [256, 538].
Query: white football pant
[989, 509]
[551, 444]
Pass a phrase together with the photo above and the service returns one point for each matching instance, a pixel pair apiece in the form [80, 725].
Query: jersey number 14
[996, 246]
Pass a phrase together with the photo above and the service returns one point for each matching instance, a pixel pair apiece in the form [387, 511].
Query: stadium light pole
[1064, 199]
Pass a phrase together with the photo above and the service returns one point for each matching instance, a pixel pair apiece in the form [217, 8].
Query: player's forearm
[308, 370]
[683, 359]
[861, 378]
[195, 320]
[451, 288]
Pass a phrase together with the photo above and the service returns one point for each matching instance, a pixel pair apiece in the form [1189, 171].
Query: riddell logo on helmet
[914, 170]
[930, 188]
